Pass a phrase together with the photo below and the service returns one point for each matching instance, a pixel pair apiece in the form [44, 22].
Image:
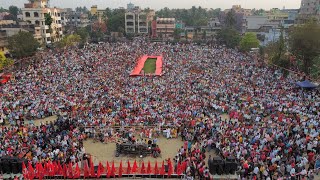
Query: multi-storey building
[309, 9]
[165, 27]
[137, 20]
[34, 12]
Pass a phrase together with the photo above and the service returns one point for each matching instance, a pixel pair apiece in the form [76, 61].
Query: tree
[70, 40]
[248, 41]
[304, 43]
[14, 10]
[4, 61]
[83, 33]
[116, 20]
[48, 19]
[229, 37]
[204, 35]
[276, 52]
[177, 33]
[230, 21]
[22, 44]
[3, 10]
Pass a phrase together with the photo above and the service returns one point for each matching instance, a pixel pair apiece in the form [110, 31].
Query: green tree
[14, 10]
[3, 10]
[48, 19]
[248, 41]
[230, 21]
[83, 33]
[315, 68]
[276, 52]
[70, 40]
[22, 44]
[177, 33]
[304, 43]
[116, 21]
[5, 62]
[229, 37]
[204, 35]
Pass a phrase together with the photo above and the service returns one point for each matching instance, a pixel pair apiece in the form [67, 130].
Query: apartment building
[136, 20]
[165, 27]
[34, 13]
[97, 12]
[309, 9]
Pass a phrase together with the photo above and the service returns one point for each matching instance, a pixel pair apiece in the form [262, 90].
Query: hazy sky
[157, 4]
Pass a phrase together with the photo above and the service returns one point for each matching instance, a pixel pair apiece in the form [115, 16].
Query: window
[37, 22]
[35, 14]
[27, 14]
[58, 14]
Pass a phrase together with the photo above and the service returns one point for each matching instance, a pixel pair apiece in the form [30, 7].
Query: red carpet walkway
[140, 64]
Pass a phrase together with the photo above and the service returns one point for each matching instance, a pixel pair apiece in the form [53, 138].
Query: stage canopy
[306, 84]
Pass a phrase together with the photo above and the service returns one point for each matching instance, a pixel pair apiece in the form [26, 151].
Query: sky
[158, 4]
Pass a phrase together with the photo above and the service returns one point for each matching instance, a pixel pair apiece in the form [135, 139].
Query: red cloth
[24, 171]
[170, 168]
[70, 171]
[178, 171]
[120, 169]
[135, 167]
[30, 171]
[86, 170]
[156, 168]
[162, 171]
[113, 170]
[77, 172]
[64, 171]
[143, 168]
[92, 172]
[128, 168]
[108, 170]
[149, 168]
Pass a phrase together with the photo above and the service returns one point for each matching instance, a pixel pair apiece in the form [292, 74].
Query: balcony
[48, 35]
[59, 25]
[46, 27]
[60, 32]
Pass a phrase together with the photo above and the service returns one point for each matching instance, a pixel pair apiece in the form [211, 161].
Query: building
[72, 18]
[99, 13]
[309, 9]
[13, 29]
[165, 27]
[35, 12]
[253, 23]
[137, 20]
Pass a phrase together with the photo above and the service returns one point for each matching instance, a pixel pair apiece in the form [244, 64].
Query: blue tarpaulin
[306, 84]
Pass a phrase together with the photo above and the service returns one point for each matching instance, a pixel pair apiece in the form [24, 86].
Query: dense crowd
[271, 127]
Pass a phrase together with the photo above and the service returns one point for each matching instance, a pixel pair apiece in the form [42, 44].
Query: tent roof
[306, 84]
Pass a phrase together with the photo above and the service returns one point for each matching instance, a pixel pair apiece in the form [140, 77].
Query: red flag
[77, 172]
[162, 171]
[70, 173]
[31, 171]
[120, 169]
[128, 168]
[108, 170]
[113, 170]
[64, 171]
[143, 169]
[24, 171]
[184, 166]
[135, 167]
[149, 168]
[156, 168]
[178, 170]
[86, 170]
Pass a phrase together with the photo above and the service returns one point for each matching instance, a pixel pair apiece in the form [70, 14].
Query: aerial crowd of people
[213, 97]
